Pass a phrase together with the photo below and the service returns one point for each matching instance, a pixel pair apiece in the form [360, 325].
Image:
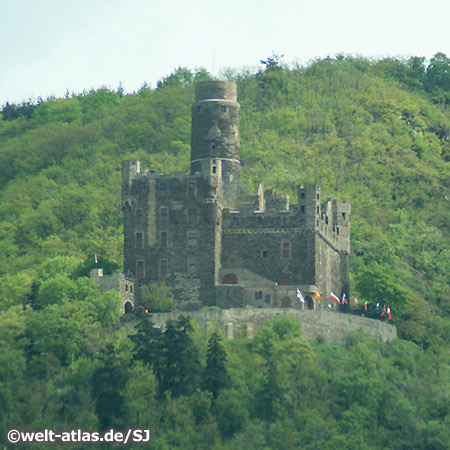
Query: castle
[215, 247]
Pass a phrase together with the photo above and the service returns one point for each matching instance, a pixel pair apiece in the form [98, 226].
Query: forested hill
[374, 132]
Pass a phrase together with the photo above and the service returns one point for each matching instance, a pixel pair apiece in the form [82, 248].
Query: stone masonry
[196, 230]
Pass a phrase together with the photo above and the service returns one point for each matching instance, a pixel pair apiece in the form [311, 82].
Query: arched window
[285, 250]
[230, 278]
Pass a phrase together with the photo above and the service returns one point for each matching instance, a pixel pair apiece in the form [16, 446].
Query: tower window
[163, 190]
[284, 222]
[223, 108]
[214, 169]
[139, 216]
[191, 189]
[163, 267]
[286, 250]
[163, 239]
[317, 210]
[302, 209]
[302, 195]
[140, 268]
[235, 221]
[343, 216]
[139, 240]
[192, 239]
[192, 266]
[318, 196]
[264, 253]
[164, 215]
[192, 215]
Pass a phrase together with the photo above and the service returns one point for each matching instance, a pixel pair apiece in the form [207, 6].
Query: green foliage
[157, 297]
[215, 375]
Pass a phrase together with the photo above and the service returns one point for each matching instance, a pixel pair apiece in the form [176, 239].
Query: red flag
[356, 301]
[318, 297]
[335, 298]
[365, 305]
[344, 299]
[388, 310]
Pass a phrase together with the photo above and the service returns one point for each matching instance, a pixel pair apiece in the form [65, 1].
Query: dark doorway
[285, 302]
[128, 307]
[309, 303]
[230, 278]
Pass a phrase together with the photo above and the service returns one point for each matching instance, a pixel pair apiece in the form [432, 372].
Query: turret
[215, 137]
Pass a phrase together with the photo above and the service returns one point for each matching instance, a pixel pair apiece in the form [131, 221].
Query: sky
[50, 47]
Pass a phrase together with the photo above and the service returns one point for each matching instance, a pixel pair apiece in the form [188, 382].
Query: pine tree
[108, 381]
[215, 376]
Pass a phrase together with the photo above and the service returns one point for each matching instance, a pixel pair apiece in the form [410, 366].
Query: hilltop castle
[215, 247]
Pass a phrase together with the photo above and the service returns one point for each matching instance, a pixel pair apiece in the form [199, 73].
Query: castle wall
[331, 326]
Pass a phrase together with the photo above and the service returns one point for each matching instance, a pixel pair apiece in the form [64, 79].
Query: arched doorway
[309, 303]
[285, 302]
[128, 307]
[230, 278]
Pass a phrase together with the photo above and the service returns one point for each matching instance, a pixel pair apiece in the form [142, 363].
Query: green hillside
[374, 132]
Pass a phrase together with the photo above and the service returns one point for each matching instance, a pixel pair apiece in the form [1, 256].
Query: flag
[318, 297]
[335, 298]
[95, 256]
[355, 303]
[365, 305]
[344, 299]
[300, 296]
[384, 311]
[388, 310]
[377, 308]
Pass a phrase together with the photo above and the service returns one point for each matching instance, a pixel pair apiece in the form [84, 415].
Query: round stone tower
[215, 137]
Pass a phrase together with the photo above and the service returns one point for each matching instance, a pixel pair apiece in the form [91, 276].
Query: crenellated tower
[215, 138]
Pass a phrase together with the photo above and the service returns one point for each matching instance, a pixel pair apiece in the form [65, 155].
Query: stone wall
[332, 326]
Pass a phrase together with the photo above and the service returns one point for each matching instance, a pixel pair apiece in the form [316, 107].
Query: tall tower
[215, 137]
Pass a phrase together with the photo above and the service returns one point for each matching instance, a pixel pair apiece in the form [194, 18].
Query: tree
[108, 382]
[215, 375]
[157, 297]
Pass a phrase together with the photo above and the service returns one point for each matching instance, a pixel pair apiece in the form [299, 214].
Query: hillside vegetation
[374, 132]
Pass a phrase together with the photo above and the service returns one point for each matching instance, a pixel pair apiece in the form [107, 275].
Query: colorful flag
[300, 296]
[388, 310]
[365, 305]
[377, 308]
[335, 298]
[318, 297]
[344, 299]
[95, 256]
[355, 303]
[384, 311]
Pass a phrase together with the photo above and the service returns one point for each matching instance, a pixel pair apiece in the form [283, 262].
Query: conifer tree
[215, 375]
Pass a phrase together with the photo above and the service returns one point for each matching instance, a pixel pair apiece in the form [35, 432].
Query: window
[284, 222]
[191, 189]
[164, 215]
[302, 209]
[235, 221]
[131, 288]
[140, 268]
[192, 215]
[317, 210]
[267, 298]
[264, 254]
[258, 295]
[213, 191]
[139, 216]
[214, 169]
[163, 239]
[163, 267]
[223, 108]
[318, 196]
[286, 250]
[302, 195]
[126, 287]
[192, 239]
[343, 216]
[163, 190]
[139, 240]
[192, 266]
